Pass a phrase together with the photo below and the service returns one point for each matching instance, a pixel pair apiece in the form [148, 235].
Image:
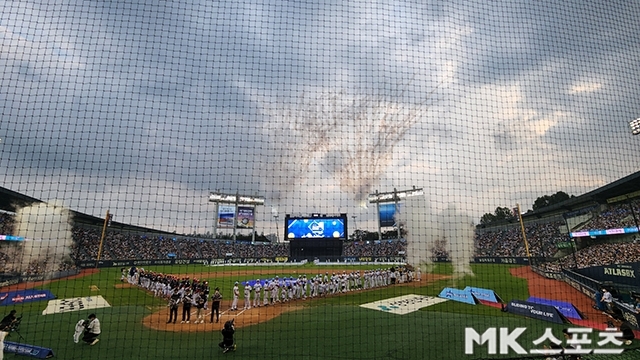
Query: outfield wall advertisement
[16, 279]
[279, 259]
[515, 260]
[230, 260]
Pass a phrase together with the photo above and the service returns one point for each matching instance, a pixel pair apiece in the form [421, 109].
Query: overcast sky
[143, 108]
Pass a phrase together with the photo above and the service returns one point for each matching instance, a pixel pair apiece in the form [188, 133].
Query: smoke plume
[427, 230]
[47, 230]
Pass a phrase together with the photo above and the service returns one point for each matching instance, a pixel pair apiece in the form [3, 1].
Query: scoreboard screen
[321, 227]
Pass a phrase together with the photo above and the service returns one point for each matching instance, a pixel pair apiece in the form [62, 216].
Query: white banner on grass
[75, 304]
[403, 304]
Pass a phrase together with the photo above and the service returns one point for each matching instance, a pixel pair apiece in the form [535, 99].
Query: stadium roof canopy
[12, 201]
[614, 191]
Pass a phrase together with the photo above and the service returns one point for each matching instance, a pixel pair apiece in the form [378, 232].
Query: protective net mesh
[383, 179]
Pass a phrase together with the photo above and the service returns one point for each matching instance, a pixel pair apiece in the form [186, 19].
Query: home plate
[403, 304]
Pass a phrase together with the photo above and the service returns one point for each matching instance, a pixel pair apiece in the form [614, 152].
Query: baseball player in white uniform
[257, 287]
[236, 295]
[247, 296]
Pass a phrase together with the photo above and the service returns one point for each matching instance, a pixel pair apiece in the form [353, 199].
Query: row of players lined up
[194, 293]
[267, 292]
[179, 291]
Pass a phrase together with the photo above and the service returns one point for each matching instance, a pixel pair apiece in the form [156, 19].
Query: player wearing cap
[187, 301]
[257, 287]
[247, 296]
[215, 304]
[236, 295]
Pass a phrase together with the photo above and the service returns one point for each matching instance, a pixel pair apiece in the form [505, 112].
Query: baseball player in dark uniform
[187, 301]
[174, 302]
[215, 304]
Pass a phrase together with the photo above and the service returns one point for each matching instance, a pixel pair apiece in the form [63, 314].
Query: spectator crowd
[506, 241]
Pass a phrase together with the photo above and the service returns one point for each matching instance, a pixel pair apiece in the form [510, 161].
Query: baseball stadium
[319, 180]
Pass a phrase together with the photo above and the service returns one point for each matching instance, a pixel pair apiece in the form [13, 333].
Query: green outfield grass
[329, 328]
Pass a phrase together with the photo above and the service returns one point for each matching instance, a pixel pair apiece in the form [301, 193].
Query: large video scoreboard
[316, 227]
[316, 235]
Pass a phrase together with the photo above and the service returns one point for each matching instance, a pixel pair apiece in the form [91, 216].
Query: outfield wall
[16, 279]
[286, 259]
[237, 261]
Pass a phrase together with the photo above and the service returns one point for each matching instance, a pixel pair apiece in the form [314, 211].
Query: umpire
[215, 304]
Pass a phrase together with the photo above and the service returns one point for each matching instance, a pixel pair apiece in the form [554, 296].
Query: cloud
[173, 100]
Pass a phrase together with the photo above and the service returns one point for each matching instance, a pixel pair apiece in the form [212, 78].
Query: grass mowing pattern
[335, 327]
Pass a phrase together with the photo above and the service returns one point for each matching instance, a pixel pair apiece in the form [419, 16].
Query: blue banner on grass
[484, 294]
[464, 296]
[567, 309]
[536, 311]
[24, 296]
[27, 350]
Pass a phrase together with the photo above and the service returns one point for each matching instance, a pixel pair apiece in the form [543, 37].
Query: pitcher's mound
[158, 320]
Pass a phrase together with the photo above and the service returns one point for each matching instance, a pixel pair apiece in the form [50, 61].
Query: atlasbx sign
[615, 273]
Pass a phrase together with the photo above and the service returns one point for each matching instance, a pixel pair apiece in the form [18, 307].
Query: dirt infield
[541, 287]
[158, 320]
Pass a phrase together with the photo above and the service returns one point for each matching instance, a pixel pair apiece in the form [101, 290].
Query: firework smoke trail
[47, 228]
[427, 229]
[352, 137]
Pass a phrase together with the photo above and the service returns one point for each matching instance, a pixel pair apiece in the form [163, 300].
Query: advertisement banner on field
[536, 311]
[38, 352]
[483, 294]
[566, 308]
[24, 296]
[463, 296]
[226, 215]
[58, 306]
[246, 217]
[403, 305]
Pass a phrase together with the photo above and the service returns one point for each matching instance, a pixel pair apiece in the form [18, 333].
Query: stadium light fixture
[635, 126]
[394, 195]
[235, 199]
